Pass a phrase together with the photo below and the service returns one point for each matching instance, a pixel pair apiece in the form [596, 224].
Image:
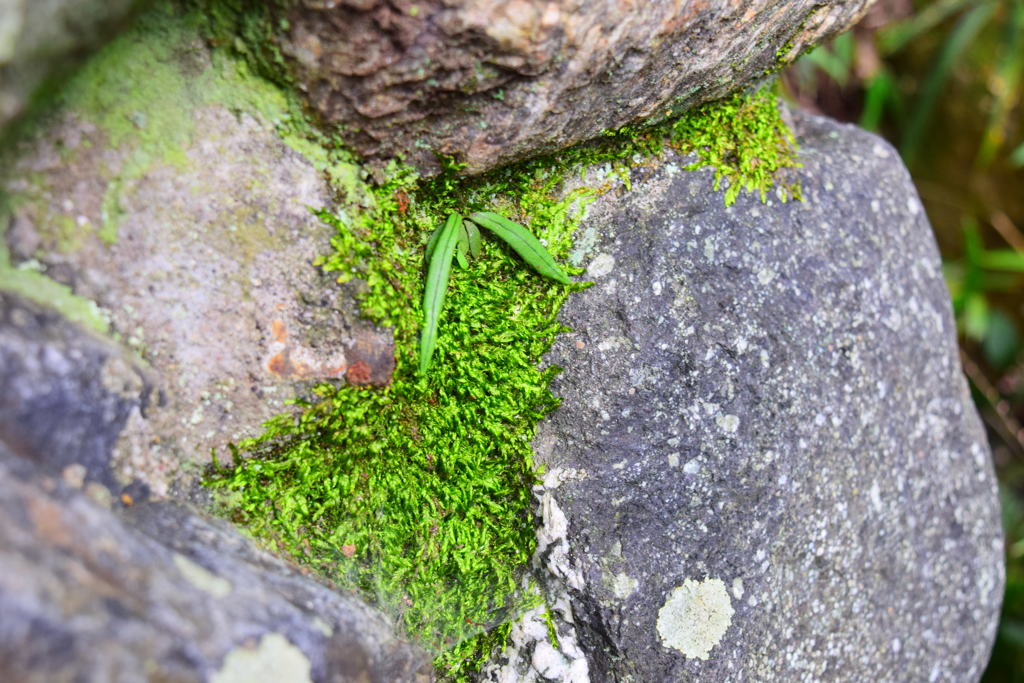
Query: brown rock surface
[492, 81]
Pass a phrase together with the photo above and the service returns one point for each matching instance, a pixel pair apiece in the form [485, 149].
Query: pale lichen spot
[274, 658]
[323, 627]
[623, 585]
[695, 617]
[728, 423]
[601, 265]
[202, 578]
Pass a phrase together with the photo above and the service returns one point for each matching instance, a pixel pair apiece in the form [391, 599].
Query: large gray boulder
[767, 466]
[98, 583]
[493, 81]
[164, 594]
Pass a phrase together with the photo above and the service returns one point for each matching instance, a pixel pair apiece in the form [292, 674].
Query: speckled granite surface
[767, 466]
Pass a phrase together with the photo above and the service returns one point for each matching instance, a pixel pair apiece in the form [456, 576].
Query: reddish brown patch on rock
[359, 373]
[49, 523]
[337, 370]
[365, 357]
[279, 331]
[375, 350]
[278, 364]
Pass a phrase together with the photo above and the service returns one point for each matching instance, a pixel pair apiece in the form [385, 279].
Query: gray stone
[189, 239]
[493, 81]
[41, 38]
[164, 594]
[67, 393]
[767, 466]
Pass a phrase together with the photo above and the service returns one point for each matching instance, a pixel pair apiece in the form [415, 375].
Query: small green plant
[459, 238]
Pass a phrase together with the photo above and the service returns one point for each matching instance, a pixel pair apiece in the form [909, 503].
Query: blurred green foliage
[943, 81]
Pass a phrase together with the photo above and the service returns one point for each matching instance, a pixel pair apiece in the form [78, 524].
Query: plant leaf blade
[473, 233]
[523, 243]
[462, 249]
[437, 286]
[432, 242]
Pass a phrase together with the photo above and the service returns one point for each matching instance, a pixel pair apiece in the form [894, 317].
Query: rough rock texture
[168, 596]
[767, 466]
[40, 37]
[490, 81]
[192, 232]
[66, 393]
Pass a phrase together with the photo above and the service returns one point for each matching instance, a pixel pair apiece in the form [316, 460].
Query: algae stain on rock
[273, 659]
[695, 617]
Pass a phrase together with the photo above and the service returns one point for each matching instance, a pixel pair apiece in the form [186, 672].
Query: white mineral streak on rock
[553, 542]
[531, 656]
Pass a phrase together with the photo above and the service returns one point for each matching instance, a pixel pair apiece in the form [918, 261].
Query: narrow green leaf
[959, 39]
[473, 233]
[437, 286]
[523, 243]
[1002, 259]
[462, 248]
[432, 242]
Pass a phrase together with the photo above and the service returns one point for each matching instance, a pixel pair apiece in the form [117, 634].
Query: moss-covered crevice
[418, 495]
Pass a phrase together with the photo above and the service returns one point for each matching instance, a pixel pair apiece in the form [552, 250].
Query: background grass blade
[1005, 83]
[523, 243]
[959, 40]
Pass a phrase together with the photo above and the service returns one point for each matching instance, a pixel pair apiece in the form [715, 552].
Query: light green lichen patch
[30, 281]
[202, 578]
[623, 585]
[273, 659]
[694, 617]
[144, 91]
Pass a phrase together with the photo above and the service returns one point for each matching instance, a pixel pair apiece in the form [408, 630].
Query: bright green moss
[745, 141]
